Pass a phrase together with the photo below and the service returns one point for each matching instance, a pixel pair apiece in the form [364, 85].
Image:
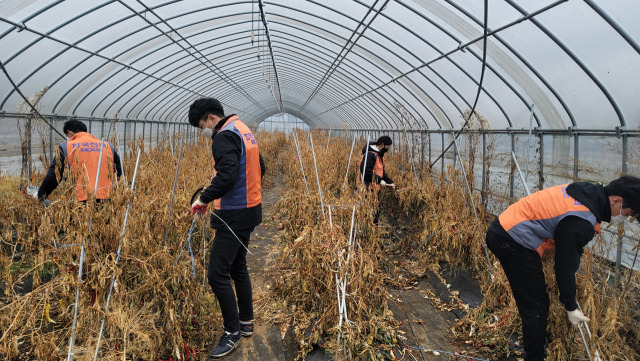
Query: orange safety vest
[378, 167]
[532, 220]
[83, 155]
[246, 191]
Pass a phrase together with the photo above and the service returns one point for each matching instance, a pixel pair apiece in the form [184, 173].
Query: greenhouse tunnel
[484, 101]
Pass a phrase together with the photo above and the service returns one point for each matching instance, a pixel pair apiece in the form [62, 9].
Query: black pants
[523, 268]
[227, 261]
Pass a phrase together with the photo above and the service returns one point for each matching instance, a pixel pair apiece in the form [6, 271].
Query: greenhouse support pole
[526, 172]
[524, 181]
[29, 131]
[51, 139]
[625, 149]
[421, 150]
[353, 143]
[443, 155]
[113, 278]
[328, 138]
[173, 193]
[124, 154]
[511, 173]
[484, 168]
[541, 165]
[455, 151]
[317, 176]
[576, 155]
[429, 145]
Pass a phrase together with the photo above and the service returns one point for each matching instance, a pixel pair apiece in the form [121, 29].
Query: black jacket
[226, 149]
[372, 156]
[50, 181]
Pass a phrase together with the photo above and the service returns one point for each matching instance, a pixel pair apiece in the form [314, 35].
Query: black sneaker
[227, 343]
[246, 329]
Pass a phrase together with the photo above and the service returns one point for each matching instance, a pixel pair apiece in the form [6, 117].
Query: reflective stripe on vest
[534, 218]
[82, 152]
[246, 190]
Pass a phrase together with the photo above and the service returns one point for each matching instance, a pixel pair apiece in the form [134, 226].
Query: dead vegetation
[332, 265]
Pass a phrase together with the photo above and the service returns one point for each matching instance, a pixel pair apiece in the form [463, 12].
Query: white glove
[198, 206]
[577, 316]
[383, 183]
[33, 192]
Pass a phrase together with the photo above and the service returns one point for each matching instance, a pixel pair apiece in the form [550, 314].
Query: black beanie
[385, 139]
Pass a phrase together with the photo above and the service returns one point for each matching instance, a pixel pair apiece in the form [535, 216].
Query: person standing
[563, 218]
[373, 170]
[235, 191]
[81, 152]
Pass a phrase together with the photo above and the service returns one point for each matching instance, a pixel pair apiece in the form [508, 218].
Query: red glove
[198, 207]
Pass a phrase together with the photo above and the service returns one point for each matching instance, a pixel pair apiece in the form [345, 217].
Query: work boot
[228, 342]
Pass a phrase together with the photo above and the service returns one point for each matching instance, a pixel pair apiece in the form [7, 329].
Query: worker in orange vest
[235, 193]
[374, 168]
[81, 153]
[570, 215]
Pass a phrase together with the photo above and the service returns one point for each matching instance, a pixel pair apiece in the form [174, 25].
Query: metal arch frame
[351, 88]
[462, 69]
[523, 60]
[393, 20]
[459, 48]
[362, 75]
[373, 41]
[426, 77]
[194, 74]
[163, 21]
[614, 25]
[151, 102]
[176, 97]
[383, 71]
[177, 67]
[31, 16]
[346, 48]
[169, 71]
[539, 77]
[354, 115]
[48, 35]
[74, 46]
[410, 80]
[577, 60]
[92, 54]
[303, 22]
[273, 61]
[348, 80]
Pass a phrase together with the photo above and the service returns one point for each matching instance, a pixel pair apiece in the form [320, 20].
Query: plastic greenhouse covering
[553, 86]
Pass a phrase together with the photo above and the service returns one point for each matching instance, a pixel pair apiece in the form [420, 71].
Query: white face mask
[207, 132]
[619, 219]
